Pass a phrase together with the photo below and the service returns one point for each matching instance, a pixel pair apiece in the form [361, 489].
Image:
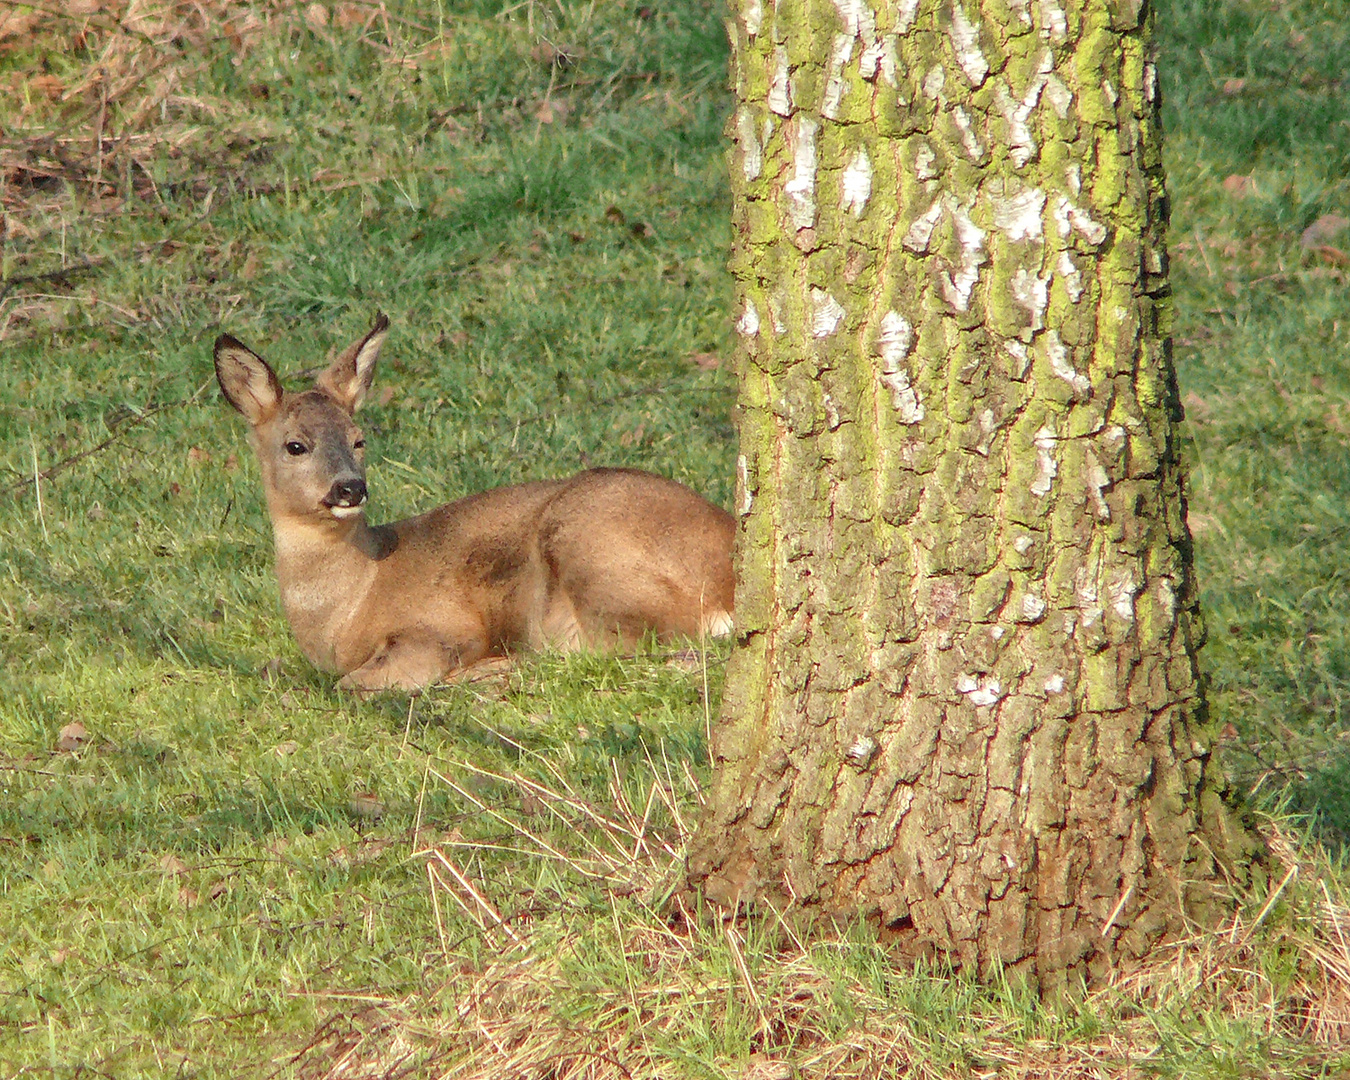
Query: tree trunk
[964, 702]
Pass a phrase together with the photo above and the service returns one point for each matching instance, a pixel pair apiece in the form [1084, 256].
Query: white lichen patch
[920, 233]
[905, 11]
[826, 314]
[970, 140]
[1020, 356]
[880, 58]
[752, 154]
[924, 162]
[894, 345]
[966, 43]
[776, 304]
[896, 339]
[1114, 438]
[988, 692]
[861, 751]
[1061, 365]
[1071, 278]
[743, 484]
[958, 287]
[1150, 82]
[1022, 8]
[1069, 217]
[1123, 591]
[997, 632]
[1019, 215]
[1073, 176]
[801, 189]
[1017, 112]
[1167, 597]
[1033, 608]
[1098, 481]
[989, 426]
[857, 183]
[1023, 544]
[834, 83]
[748, 324]
[1058, 95]
[933, 82]
[1032, 294]
[1054, 26]
[832, 415]
[1046, 468]
[780, 78]
[1054, 684]
[753, 12]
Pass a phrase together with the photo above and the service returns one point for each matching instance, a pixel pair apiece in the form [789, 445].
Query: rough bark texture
[965, 702]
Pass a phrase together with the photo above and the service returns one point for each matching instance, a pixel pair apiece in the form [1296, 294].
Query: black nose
[347, 493]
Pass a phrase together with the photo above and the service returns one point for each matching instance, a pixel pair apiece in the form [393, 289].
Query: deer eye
[295, 449]
[360, 444]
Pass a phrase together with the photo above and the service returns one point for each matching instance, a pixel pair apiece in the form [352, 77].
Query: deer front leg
[411, 660]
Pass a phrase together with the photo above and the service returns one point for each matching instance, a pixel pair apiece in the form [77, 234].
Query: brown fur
[597, 560]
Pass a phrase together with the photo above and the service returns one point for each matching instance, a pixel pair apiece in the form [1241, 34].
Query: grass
[238, 871]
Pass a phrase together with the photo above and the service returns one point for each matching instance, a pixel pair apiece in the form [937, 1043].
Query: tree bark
[964, 701]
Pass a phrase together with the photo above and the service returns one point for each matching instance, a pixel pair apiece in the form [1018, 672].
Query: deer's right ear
[246, 380]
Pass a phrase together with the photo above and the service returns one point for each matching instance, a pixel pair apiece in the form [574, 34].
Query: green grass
[536, 197]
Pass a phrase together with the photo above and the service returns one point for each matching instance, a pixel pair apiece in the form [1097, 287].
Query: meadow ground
[230, 869]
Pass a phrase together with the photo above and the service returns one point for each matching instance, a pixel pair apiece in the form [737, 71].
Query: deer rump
[595, 561]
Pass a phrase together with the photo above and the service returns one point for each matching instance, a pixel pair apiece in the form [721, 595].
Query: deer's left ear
[348, 378]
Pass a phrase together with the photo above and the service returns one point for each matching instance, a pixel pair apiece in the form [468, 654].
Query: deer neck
[325, 571]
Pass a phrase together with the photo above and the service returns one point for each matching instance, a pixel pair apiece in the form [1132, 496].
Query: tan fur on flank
[597, 560]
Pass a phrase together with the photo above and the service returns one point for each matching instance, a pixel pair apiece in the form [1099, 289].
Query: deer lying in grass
[598, 560]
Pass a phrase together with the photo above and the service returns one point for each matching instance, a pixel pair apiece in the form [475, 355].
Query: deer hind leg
[412, 660]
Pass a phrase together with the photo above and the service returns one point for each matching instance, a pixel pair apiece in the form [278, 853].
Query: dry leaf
[49, 85]
[385, 396]
[316, 15]
[14, 23]
[705, 361]
[286, 749]
[1234, 86]
[197, 456]
[73, 736]
[1323, 230]
[348, 15]
[1333, 255]
[365, 805]
[763, 1067]
[187, 896]
[216, 891]
[1239, 186]
[628, 438]
[173, 866]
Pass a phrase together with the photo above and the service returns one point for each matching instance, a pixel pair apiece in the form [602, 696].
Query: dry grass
[554, 997]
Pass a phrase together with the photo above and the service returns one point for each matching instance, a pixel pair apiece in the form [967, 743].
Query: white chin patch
[347, 511]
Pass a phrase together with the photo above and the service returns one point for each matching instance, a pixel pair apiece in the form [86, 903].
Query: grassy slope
[196, 889]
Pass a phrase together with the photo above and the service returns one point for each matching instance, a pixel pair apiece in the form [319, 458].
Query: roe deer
[600, 559]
